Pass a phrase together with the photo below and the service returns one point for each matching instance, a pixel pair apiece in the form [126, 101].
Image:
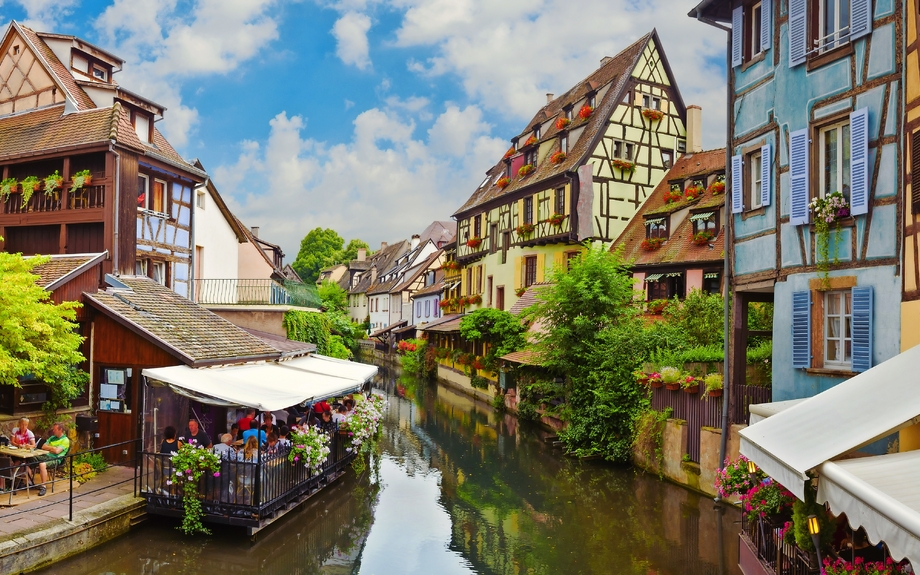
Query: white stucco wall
[220, 251]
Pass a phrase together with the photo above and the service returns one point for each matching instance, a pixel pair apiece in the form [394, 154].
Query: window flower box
[80, 179]
[562, 123]
[585, 112]
[673, 196]
[652, 115]
[531, 141]
[30, 185]
[652, 244]
[557, 158]
[693, 191]
[451, 265]
[53, 183]
[654, 380]
[503, 183]
[474, 242]
[520, 291]
[717, 187]
[526, 170]
[444, 304]
[8, 186]
[510, 152]
[556, 219]
[703, 237]
[474, 299]
[525, 229]
[624, 166]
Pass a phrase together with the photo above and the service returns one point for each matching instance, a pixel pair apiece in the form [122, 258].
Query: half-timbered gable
[816, 115]
[577, 172]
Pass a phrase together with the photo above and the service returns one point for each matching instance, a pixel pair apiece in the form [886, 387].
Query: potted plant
[717, 187]
[768, 500]
[531, 141]
[827, 212]
[30, 185]
[562, 123]
[654, 379]
[736, 479]
[525, 229]
[462, 301]
[703, 237]
[641, 377]
[503, 182]
[585, 112]
[689, 384]
[520, 291]
[671, 378]
[53, 183]
[694, 191]
[474, 299]
[652, 244]
[510, 152]
[7, 187]
[652, 115]
[444, 304]
[673, 195]
[474, 242]
[526, 170]
[556, 219]
[557, 158]
[624, 166]
[713, 384]
[656, 306]
[80, 179]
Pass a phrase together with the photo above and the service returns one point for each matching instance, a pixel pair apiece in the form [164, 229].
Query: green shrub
[711, 353]
[498, 402]
[527, 411]
[760, 353]
[95, 460]
[479, 382]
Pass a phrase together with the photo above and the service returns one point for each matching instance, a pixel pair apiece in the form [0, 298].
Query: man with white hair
[224, 449]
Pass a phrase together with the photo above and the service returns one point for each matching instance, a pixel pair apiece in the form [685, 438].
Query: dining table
[20, 452]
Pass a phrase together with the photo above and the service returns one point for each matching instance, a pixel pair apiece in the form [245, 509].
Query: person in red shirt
[245, 422]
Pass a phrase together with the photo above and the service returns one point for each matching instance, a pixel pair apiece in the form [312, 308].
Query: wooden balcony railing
[85, 198]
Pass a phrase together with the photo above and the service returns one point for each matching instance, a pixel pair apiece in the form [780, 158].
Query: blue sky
[371, 117]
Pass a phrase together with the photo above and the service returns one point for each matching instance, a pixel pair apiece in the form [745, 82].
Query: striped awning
[702, 216]
[711, 275]
[653, 221]
[653, 277]
[674, 275]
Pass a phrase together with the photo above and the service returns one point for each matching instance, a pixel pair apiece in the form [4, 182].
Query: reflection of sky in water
[411, 531]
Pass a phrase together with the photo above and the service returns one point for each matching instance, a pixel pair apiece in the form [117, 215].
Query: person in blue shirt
[252, 433]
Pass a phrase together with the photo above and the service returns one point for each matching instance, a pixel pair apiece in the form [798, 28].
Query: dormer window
[568, 113]
[536, 132]
[656, 228]
[591, 101]
[141, 126]
[100, 73]
[705, 222]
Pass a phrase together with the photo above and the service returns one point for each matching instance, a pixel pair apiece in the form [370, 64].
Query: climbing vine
[649, 439]
[308, 327]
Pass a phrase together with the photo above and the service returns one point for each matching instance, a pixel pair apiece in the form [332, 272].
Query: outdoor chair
[11, 474]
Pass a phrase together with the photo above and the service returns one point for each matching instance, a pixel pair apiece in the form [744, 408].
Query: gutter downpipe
[729, 222]
[115, 195]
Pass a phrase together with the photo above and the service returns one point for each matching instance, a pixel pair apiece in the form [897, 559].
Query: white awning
[265, 386]
[863, 409]
[652, 221]
[711, 275]
[653, 277]
[880, 494]
[761, 411]
[703, 216]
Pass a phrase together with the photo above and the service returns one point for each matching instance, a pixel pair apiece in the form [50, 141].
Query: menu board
[113, 390]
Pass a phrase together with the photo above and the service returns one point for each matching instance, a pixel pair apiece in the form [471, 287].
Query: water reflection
[456, 488]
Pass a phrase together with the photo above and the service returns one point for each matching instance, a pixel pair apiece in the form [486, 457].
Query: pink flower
[217, 474]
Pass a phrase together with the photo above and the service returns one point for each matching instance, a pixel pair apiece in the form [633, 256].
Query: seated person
[283, 432]
[340, 415]
[169, 445]
[22, 435]
[56, 446]
[235, 433]
[349, 404]
[223, 449]
[265, 417]
[197, 435]
[254, 434]
[271, 445]
[325, 422]
[251, 449]
[246, 421]
[270, 428]
[862, 547]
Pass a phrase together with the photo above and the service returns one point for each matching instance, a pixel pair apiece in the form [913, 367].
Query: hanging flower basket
[624, 166]
[53, 183]
[562, 123]
[520, 291]
[556, 219]
[531, 141]
[672, 386]
[652, 115]
[673, 196]
[652, 244]
[717, 187]
[525, 229]
[585, 112]
[80, 179]
[702, 238]
[474, 242]
[30, 185]
[526, 170]
[7, 187]
[690, 384]
[189, 464]
[310, 447]
[557, 158]
[510, 152]
[503, 183]
[693, 192]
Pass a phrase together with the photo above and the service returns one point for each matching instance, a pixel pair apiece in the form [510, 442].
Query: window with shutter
[766, 28]
[798, 31]
[862, 328]
[801, 329]
[766, 162]
[838, 329]
[737, 185]
[861, 18]
[798, 177]
[755, 170]
[915, 170]
[859, 162]
[737, 36]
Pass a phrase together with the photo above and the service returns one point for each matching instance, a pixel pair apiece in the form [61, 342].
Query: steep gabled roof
[419, 270]
[439, 231]
[435, 288]
[50, 61]
[62, 268]
[616, 72]
[231, 220]
[383, 260]
[678, 249]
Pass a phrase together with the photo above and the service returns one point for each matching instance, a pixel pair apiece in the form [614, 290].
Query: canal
[456, 488]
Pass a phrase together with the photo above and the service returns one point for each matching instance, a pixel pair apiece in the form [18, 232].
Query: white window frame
[159, 269]
[753, 32]
[756, 200]
[624, 150]
[844, 335]
[200, 199]
[564, 143]
[142, 127]
[103, 74]
[830, 39]
[140, 268]
[843, 149]
[146, 179]
[165, 195]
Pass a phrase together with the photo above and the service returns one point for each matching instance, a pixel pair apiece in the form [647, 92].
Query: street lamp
[814, 529]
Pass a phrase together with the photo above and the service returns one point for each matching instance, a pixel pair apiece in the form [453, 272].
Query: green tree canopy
[503, 332]
[333, 297]
[318, 249]
[351, 250]
[37, 337]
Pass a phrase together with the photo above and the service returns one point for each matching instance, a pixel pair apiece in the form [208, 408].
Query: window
[500, 298]
[477, 226]
[570, 258]
[838, 317]
[506, 242]
[568, 113]
[427, 307]
[530, 271]
[528, 210]
[479, 279]
[754, 171]
[114, 390]
[623, 150]
[100, 73]
[530, 156]
[656, 228]
[560, 201]
[564, 143]
[143, 185]
[833, 24]
[681, 146]
[140, 268]
[158, 197]
[704, 222]
[665, 286]
[536, 132]
[753, 31]
[142, 127]
[834, 159]
[667, 158]
[493, 239]
[591, 100]
[437, 306]
[418, 309]
[159, 273]
[712, 283]
[652, 102]
[489, 290]
[199, 199]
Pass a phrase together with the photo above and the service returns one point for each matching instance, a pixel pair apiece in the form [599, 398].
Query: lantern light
[752, 467]
[814, 528]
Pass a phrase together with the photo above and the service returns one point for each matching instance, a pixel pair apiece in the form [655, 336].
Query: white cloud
[382, 185]
[165, 44]
[45, 15]
[350, 32]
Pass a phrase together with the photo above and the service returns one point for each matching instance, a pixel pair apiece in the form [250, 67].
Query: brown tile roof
[60, 72]
[437, 287]
[419, 270]
[181, 327]
[439, 231]
[61, 267]
[525, 357]
[616, 71]
[287, 347]
[678, 249]
[383, 260]
[448, 323]
[528, 299]
[389, 328]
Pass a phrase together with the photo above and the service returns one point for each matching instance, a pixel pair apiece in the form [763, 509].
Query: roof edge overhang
[96, 260]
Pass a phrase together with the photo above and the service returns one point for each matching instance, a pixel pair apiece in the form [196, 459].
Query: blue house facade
[816, 108]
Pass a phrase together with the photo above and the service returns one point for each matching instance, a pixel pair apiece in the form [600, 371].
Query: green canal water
[455, 489]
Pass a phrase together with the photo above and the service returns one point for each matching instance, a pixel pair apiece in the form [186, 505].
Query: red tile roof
[62, 267]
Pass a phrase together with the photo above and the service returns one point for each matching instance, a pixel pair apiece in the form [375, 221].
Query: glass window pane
[833, 327]
[141, 192]
[845, 162]
[833, 304]
[830, 162]
[848, 308]
[848, 352]
[848, 323]
[844, 14]
[830, 8]
[833, 350]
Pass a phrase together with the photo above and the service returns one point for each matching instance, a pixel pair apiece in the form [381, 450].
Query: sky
[371, 117]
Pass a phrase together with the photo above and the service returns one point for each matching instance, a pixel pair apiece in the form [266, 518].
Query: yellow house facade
[578, 172]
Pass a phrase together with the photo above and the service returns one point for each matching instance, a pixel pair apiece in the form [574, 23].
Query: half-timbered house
[816, 97]
[578, 171]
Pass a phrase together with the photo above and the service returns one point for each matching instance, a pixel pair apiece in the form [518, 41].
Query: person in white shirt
[223, 449]
[340, 415]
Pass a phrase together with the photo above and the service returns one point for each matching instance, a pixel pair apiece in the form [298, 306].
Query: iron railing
[743, 396]
[781, 557]
[246, 492]
[254, 292]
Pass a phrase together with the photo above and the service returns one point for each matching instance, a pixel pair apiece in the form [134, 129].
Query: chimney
[255, 231]
[549, 97]
[694, 129]
[605, 60]
[362, 254]
[415, 240]
[373, 274]
[383, 246]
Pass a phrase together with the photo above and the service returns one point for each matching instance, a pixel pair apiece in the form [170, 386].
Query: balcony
[254, 292]
[88, 197]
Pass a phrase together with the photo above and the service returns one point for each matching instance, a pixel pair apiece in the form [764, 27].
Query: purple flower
[217, 474]
[189, 471]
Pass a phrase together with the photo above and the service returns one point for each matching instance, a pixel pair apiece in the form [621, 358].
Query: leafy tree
[37, 337]
[351, 250]
[333, 297]
[700, 315]
[318, 249]
[503, 332]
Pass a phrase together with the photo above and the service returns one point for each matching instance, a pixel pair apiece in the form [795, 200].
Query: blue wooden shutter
[859, 162]
[798, 177]
[860, 18]
[798, 31]
[862, 328]
[737, 185]
[801, 329]
[766, 170]
[766, 21]
[737, 36]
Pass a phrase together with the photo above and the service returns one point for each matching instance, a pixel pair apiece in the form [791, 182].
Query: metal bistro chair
[10, 472]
